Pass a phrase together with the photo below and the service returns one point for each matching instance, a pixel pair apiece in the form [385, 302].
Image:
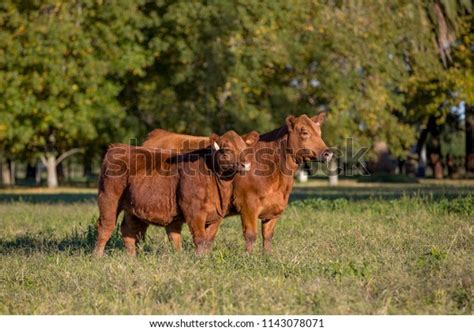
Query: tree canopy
[90, 72]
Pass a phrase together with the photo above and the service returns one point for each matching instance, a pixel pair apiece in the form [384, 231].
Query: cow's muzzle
[243, 167]
[326, 156]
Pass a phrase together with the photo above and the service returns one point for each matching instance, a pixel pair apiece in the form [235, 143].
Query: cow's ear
[290, 123]
[251, 138]
[319, 119]
[214, 139]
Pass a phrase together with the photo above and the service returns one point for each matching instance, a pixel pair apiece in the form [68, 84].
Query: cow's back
[163, 139]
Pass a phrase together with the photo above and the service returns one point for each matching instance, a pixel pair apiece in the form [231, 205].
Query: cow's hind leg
[268, 229]
[133, 230]
[108, 209]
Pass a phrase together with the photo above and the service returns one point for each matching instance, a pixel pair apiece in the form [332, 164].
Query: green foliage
[87, 73]
[59, 66]
[214, 65]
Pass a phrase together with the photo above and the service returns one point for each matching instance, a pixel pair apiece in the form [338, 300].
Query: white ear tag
[216, 146]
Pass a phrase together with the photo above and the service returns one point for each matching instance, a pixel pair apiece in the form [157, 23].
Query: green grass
[350, 250]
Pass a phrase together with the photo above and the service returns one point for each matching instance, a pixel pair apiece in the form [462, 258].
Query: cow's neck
[223, 183]
[277, 140]
[224, 192]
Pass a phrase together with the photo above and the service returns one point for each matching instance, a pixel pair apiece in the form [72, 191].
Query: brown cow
[163, 188]
[264, 191]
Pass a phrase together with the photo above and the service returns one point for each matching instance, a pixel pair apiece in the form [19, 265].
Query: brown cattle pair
[260, 191]
[163, 188]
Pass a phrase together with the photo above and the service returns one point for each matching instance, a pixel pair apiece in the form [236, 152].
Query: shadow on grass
[45, 243]
[50, 198]
[74, 243]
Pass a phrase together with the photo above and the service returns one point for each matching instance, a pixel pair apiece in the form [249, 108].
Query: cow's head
[231, 151]
[304, 138]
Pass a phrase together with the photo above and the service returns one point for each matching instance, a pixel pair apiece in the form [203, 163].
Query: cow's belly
[153, 215]
[153, 200]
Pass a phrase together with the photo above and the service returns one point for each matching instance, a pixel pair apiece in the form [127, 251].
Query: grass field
[355, 249]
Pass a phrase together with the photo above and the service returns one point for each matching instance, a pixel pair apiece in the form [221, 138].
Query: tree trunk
[87, 164]
[333, 172]
[30, 172]
[51, 163]
[60, 172]
[438, 169]
[51, 170]
[8, 172]
[421, 146]
[6, 176]
[469, 122]
[435, 156]
[422, 162]
[12, 166]
[39, 169]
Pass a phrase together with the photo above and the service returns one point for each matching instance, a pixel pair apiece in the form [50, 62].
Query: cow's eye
[226, 153]
[304, 134]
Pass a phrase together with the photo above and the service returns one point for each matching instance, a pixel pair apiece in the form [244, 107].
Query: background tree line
[78, 75]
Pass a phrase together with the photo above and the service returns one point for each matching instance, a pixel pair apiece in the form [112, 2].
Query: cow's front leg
[249, 227]
[211, 231]
[197, 226]
[268, 229]
[173, 230]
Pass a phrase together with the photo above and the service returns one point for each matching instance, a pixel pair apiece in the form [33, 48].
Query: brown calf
[264, 191]
[163, 188]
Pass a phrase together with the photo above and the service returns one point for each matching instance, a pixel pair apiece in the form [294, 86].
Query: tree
[435, 89]
[248, 64]
[79, 75]
[212, 60]
[58, 72]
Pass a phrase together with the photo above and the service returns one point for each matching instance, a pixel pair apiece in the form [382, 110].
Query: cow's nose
[326, 155]
[245, 166]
